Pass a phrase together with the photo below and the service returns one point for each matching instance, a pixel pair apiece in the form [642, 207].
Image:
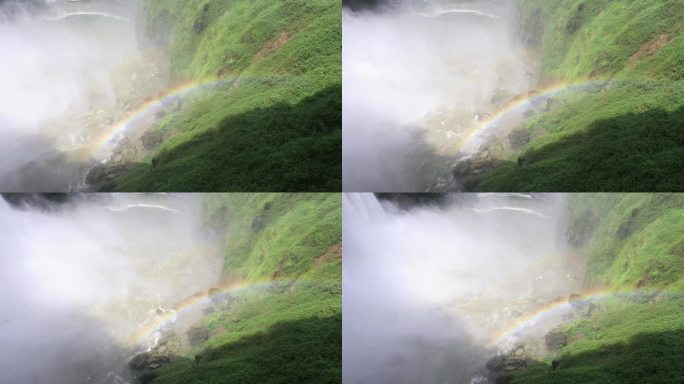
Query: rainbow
[148, 330]
[521, 103]
[559, 307]
[115, 132]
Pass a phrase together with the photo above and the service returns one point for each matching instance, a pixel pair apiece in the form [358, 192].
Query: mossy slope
[628, 133]
[272, 120]
[635, 248]
[285, 326]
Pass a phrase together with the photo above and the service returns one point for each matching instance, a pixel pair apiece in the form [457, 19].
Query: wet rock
[152, 139]
[519, 138]
[114, 171]
[500, 367]
[145, 365]
[147, 377]
[197, 335]
[96, 175]
[556, 339]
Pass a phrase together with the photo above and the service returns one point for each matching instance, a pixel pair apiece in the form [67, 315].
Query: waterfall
[428, 288]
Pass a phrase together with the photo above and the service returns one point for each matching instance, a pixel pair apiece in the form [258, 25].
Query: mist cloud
[404, 67]
[63, 76]
[77, 282]
[426, 290]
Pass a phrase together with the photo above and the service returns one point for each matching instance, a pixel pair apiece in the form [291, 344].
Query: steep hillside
[633, 332]
[617, 123]
[282, 324]
[269, 116]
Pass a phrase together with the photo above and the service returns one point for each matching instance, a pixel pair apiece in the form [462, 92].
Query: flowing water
[433, 290]
[421, 81]
[85, 282]
[70, 71]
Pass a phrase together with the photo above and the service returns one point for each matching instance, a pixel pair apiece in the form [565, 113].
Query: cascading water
[432, 290]
[70, 70]
[416, 94]
[85, 280]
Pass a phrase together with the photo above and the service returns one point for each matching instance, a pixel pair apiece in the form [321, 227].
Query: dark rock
[147, 377]
[581, 229]
[138, 362]
[114, 171]
[521, 161]
[500, 367]
[556, 339]
[197, 335]
[462, 168]
[503, 379]
[152, 139]
[519, 138]
[96, 175]
[496, 363]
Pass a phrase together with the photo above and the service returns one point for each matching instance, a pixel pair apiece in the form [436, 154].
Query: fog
[417, 79]
[429, 288]
[82, 275]
[69, 71]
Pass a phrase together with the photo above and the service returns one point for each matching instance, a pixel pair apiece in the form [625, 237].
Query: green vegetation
[276, 235]
[626, 135]
[635, 248]
[272, 119]
[625, 343]
[285, 325]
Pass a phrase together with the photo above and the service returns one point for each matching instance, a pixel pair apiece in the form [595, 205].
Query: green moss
[276, 235]
[285, 326]
[625, 342]
[637, 334]
[623, 136]
[275, 124]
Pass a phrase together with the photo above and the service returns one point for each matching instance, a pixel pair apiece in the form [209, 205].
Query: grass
[276, 235]
[279, 338]
[276, 124]
[626, 136]
[636, 336]
[285, 326]
[625, 343]
[632, 234]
